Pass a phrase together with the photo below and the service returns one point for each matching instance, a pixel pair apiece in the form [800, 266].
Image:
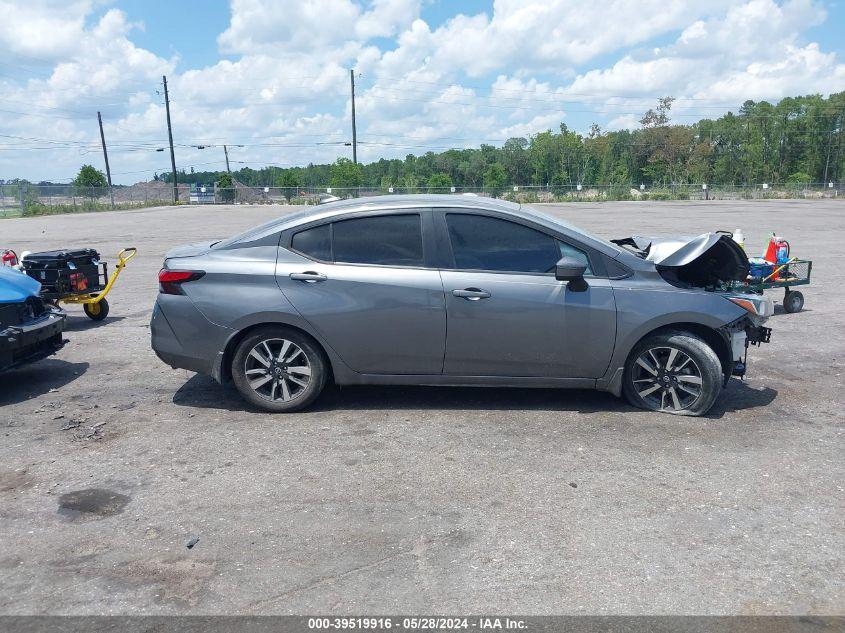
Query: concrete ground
[419, 500]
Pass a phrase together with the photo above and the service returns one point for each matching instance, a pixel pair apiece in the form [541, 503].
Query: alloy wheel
[277, 370]
[667, 379]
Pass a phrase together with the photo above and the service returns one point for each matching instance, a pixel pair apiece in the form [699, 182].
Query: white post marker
[578, 187]
[390, 190]
[266, 189]
[328, 189]
[704, 185]
[830, 185]
[765, 185]
[202, 189]
[452, 189]
[642, 187]
[515, 188]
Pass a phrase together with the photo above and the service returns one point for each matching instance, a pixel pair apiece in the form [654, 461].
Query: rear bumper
[183, 338]
[27, 343]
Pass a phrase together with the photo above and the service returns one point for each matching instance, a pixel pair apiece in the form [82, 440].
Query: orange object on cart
[777, 253]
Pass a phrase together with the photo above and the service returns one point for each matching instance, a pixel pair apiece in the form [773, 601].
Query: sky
[270, 78]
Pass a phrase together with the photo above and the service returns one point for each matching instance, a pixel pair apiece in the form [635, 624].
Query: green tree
[88, 176]
[345, 173]
[799, 178]
[495, 179]
[439, 183]
[660, 117]
[288, 179]
[386, 183]
[514, 155]
[226, 187]
[544, 155]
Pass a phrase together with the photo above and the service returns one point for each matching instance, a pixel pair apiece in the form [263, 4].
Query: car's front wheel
[278, 369]
[673, 372]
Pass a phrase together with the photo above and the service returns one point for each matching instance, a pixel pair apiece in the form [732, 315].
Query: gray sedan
[456, 290]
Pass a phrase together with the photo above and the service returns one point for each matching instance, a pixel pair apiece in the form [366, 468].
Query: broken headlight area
[741, 334]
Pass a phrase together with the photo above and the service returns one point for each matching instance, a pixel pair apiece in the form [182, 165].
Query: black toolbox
[66, 272]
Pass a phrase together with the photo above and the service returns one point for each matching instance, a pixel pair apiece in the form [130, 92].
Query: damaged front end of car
[747, 330]
[711, 262]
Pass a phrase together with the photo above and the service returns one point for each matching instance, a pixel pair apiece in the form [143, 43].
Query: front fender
[644, 310]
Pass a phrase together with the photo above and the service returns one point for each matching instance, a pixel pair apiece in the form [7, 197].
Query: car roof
[423, 199]
[393, 202]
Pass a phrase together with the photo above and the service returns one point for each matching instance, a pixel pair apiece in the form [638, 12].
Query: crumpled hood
[16, 286]
[706, 260]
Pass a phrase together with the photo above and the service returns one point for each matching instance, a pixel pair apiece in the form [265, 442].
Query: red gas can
[777, 252]
[9, 258]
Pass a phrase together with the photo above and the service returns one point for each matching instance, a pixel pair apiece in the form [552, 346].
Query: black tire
[280, 389]
[97, 311]
[793, 301]
[687, 388]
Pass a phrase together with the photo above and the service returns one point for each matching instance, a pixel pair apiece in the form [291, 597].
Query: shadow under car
[203, 392]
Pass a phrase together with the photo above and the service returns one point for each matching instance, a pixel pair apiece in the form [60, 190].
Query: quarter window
[483, 243]
[314, 242]
[387, 240]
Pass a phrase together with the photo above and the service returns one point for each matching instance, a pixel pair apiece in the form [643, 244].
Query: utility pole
[170, 137]
[354, 133]
[106, 157]
[226, 151]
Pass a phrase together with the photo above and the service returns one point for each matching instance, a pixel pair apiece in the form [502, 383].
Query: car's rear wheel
[279, 369]
[673, 372]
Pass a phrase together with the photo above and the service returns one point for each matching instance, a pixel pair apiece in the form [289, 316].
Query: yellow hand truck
[71, 284]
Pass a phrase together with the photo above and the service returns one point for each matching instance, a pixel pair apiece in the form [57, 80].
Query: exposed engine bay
[707, 261]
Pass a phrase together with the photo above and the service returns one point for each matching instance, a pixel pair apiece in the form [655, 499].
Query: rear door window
[386, 240]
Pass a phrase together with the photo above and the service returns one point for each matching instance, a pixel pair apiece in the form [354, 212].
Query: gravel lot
[403, 500]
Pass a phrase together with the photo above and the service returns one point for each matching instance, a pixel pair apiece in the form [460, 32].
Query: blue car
[29, 330]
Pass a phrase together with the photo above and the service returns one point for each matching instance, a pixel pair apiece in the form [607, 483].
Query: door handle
[472, 294]
[308, 276]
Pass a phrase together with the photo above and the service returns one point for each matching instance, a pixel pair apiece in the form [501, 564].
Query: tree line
[798, 140]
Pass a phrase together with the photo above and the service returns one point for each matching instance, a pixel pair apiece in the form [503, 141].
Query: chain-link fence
[27, 199]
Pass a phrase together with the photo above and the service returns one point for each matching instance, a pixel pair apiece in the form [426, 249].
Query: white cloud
[749, 52]
[264, 26]
[523, 68]
[45, 29]
[557, 34]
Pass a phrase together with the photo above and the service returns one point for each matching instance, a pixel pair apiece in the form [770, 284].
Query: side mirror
[571, 270]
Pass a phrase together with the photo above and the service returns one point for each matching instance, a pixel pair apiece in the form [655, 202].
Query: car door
[362, 282]
[506, 313]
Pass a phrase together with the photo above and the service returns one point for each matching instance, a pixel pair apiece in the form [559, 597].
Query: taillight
[170, 281]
